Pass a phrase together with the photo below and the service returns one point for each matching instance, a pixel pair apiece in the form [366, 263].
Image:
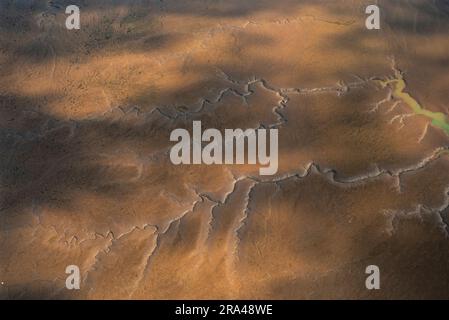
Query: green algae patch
[438, 119]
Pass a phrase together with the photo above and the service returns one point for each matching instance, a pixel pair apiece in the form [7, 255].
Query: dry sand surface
[86, 178]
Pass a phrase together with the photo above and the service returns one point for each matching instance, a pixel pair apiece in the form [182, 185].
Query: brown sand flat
[86, 179]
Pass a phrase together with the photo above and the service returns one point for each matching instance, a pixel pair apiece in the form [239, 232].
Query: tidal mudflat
[362, 167]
